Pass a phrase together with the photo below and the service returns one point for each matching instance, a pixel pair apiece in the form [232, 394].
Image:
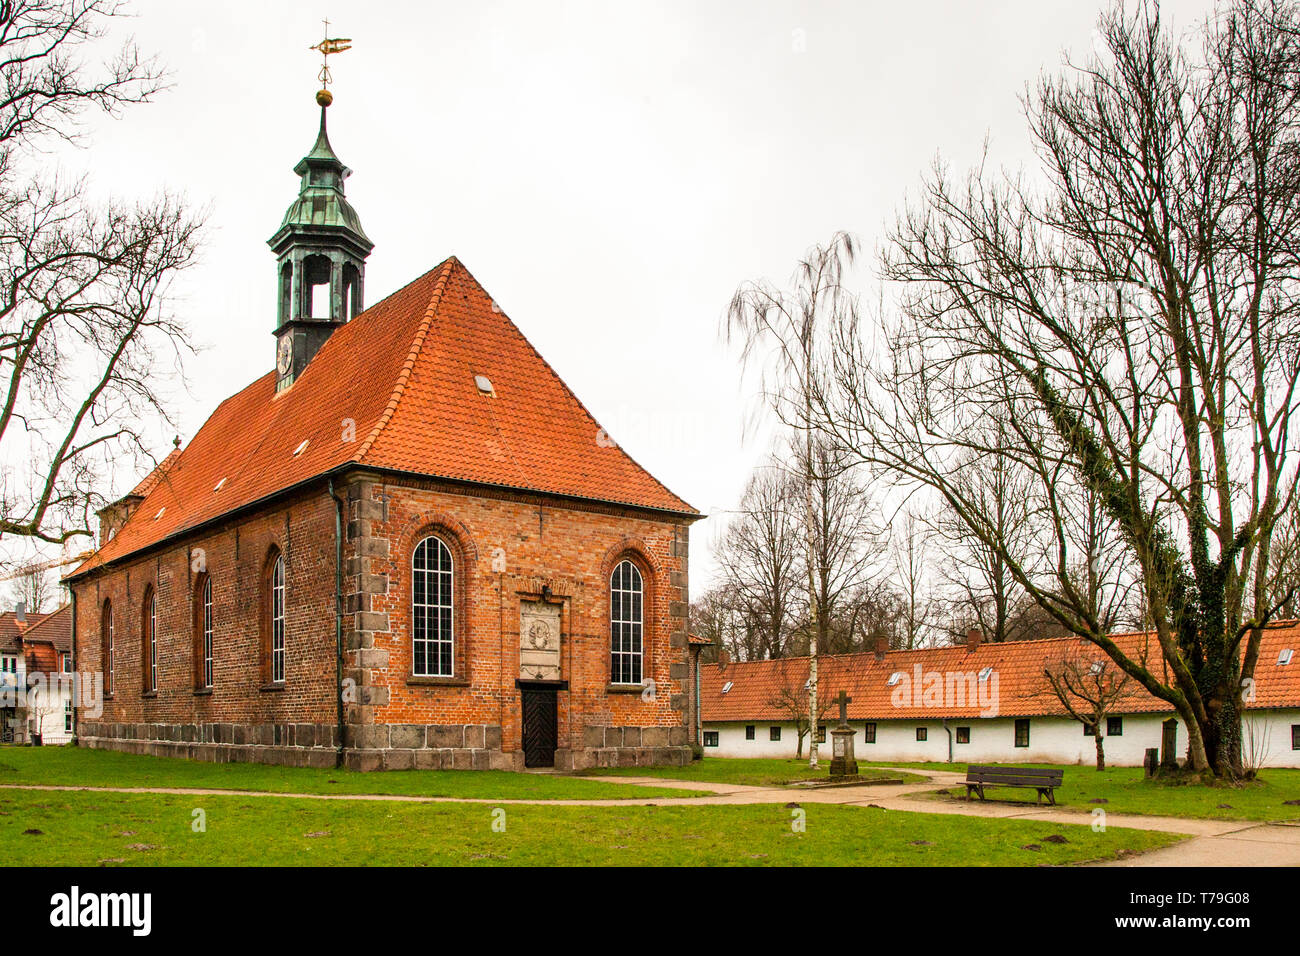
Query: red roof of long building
[395, 388]
[758, 687]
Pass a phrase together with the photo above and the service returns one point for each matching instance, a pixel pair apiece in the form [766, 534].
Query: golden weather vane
[327, 46]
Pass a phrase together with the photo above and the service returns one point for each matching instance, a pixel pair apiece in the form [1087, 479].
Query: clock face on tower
[284, 355]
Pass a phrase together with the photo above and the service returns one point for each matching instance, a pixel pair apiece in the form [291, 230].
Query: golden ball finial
[324, 97]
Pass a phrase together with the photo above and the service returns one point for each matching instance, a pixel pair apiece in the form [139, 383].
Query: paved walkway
[1213, 843]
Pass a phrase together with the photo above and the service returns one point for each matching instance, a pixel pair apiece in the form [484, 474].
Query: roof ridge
[572, 394]
[45, 619]
[417, 343]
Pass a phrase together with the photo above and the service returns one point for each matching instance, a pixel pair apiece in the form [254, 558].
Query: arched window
[626, 591]
[203, 632]
[106, 645]
[149, 640]
[276, 584]
[432, 610]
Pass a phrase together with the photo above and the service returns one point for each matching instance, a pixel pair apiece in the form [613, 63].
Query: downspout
[338, 617]
[76, 678]
[699, 709]
[949, 730]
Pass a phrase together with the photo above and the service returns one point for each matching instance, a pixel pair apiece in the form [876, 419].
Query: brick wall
[506, 550]
[237, 719]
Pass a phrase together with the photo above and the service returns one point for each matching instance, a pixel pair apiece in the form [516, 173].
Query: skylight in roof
[484, 384]
[728, 685]
[1284, 657]
[894, 678]
[160, 513]
[301, 448]
[984, 674]
[219, 485]
[1096, 668]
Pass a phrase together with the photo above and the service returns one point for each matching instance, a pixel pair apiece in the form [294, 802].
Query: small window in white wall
[710, 738]
[963, 735]
[1114, 726]
[871, 733]
[67, 716]
[749, 731]
[774, 733]
[1295, 736]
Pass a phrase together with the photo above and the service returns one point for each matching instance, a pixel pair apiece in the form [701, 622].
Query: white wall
[1051, 740]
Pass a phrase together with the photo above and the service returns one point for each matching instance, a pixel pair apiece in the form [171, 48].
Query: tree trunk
[1101, 750]
[812, 580]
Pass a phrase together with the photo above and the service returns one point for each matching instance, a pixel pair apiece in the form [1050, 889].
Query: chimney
[974, 637]
[882, 645]
[20, 612]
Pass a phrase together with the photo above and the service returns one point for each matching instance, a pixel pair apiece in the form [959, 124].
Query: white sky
[609, 171]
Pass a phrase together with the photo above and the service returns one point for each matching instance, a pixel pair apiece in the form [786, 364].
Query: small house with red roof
[408, 544]
[983, 702]
[36, 692]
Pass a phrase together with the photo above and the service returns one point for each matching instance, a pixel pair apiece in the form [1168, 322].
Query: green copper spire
[321, 200]
[321, 252]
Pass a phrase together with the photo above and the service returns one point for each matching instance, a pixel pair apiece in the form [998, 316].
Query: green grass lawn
[89, 829]
[748, 771]
[82, 767]
[1126, 790]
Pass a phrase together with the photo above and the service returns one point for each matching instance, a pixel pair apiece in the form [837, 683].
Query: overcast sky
[609, 171]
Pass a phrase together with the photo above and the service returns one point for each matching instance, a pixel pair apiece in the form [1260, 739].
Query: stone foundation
[294, 745]
[383, 746]
[627, 747]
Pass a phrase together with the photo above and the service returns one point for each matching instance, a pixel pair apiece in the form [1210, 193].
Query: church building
[408, 545]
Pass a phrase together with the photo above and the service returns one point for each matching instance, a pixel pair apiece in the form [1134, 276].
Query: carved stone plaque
[539, 641]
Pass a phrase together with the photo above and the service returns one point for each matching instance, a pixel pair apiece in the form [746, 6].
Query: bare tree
[85, 335]
[792, 324]
[1130, 317]
[847, 547]
[32, 585]
[977, 568]
[791, 699]
[1088, 688]
[759, 556]
[912, 560]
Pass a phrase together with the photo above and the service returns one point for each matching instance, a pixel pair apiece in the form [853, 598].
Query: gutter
[339, 504]
[949, 729]
[525, 493]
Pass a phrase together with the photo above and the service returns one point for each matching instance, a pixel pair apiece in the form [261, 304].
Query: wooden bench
[1044, 780]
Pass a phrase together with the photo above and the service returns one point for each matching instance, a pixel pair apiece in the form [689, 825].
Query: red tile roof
[1021, 687]
[696, 639]
[54, 628]
[150, 480]
[11, 630]
[395, 388]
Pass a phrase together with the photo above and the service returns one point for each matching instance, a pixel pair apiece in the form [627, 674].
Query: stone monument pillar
[842, 762]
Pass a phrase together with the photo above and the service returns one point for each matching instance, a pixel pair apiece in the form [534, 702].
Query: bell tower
[320, 251]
